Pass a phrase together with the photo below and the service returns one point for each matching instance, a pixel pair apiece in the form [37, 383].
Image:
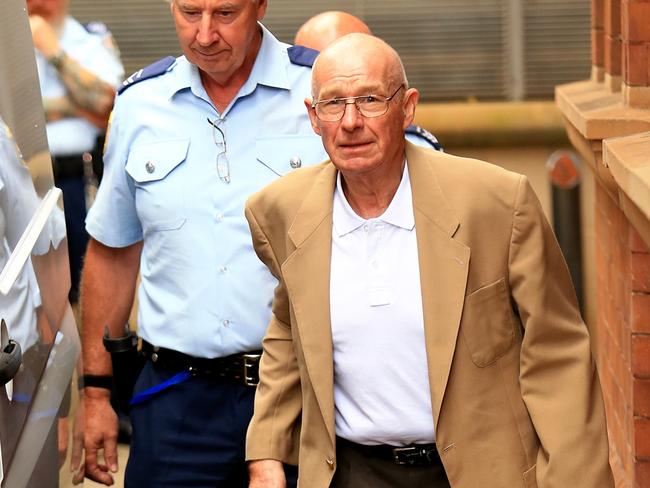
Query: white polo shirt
[381, 380]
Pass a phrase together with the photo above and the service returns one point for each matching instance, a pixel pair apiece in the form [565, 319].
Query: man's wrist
[58, 59]
[103, 381]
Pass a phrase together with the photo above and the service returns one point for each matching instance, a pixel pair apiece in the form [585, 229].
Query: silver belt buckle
[414, 455]
[250, 361]
[401, 454]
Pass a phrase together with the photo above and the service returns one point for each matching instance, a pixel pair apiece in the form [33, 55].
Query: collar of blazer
[443, 274]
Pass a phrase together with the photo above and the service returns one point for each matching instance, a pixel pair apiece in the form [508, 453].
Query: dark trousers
[74, 205]
[191, 435]
[355, 469]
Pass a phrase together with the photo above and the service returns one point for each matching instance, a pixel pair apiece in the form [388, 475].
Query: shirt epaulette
[156, 69]
[422, 133]
[96, 27]
[302, 56]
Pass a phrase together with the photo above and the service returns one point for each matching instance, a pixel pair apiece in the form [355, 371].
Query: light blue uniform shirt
[18, 203]
[95, 52]
[203, 290]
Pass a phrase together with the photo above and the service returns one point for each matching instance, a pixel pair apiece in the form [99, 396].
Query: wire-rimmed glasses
[219, 138]
[332, 110]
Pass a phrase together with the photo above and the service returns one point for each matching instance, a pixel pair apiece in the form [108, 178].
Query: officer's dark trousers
[191, 435]
[74, 204]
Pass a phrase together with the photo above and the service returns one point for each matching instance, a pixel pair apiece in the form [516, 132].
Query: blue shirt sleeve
[113, 220]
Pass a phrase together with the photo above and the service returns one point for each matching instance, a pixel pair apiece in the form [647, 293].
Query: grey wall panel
[452, 49]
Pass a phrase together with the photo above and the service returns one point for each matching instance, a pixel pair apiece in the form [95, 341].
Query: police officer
[190, 139]
[21, 308]
[79, 69]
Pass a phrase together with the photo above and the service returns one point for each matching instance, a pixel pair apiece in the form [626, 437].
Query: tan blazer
[515, 394]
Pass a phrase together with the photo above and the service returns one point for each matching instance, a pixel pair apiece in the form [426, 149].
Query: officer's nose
[207, 32]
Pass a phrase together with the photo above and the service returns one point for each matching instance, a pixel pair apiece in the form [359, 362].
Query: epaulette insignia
[156, 69]
[302, 56]
[96, 27]
[422, 133]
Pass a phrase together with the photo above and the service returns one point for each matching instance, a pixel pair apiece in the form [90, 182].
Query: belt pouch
[127, 365]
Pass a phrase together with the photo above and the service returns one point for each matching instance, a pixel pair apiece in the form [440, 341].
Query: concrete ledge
[627, 158]
[598, 113]
[614, 138]
[474, 124]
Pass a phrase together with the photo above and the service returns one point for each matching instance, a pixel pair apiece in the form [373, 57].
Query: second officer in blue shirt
[190, 139]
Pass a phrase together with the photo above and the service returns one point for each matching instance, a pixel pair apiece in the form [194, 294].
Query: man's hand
[44, 36]
[76, 464]
[266, 473]
[100, 432]
[62, 439]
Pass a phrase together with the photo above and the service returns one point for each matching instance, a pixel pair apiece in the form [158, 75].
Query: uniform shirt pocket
[283, 153]
[156, 169]
[487, 323]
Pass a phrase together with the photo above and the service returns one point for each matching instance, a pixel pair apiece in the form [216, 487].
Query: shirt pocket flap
[284, 153]
[154, 161]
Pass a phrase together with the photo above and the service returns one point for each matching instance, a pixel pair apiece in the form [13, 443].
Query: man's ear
[312, 116]
[261, 9]
[411, 98]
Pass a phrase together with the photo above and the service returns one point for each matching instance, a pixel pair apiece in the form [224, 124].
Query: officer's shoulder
[302, 56]
[154, 70]
[97, 28]
[423, 136]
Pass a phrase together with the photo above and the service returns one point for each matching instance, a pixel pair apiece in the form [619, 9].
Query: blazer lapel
[306, 273]
[444, 264]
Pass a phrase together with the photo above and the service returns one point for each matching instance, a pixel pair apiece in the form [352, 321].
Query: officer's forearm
[107, 291]
[58, 108]
[63, 107]
[86, 90]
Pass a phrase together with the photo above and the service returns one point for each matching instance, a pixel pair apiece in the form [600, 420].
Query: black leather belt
[241, 368]
[412, 455]
[69, 166]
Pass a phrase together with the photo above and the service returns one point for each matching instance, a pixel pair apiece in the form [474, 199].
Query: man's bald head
[370, 52]
[323, 29]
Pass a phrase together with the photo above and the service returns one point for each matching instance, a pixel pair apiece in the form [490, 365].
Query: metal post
[564, 171]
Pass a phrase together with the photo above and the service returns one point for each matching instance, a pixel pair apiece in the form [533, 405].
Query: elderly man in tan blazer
[425, 331]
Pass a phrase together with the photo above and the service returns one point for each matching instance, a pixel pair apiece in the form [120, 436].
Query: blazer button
[330, 462]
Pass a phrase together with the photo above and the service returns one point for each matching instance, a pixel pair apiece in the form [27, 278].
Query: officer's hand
[62, 439]
[266, 473]
[44, 36]
[76, 464]
[100, 432]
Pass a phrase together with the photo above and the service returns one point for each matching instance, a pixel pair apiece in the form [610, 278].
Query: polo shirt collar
[399, 212]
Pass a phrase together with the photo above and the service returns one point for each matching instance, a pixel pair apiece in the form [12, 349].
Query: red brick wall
[612, 37]
[598, 33]
[635, 33]
[623, 328]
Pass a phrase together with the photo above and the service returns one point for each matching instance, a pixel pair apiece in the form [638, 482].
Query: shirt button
[295, 162]
[219, 217]
[150, 167]
[366, 228]
[330, 462]
[223, 269]
[226, 323]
